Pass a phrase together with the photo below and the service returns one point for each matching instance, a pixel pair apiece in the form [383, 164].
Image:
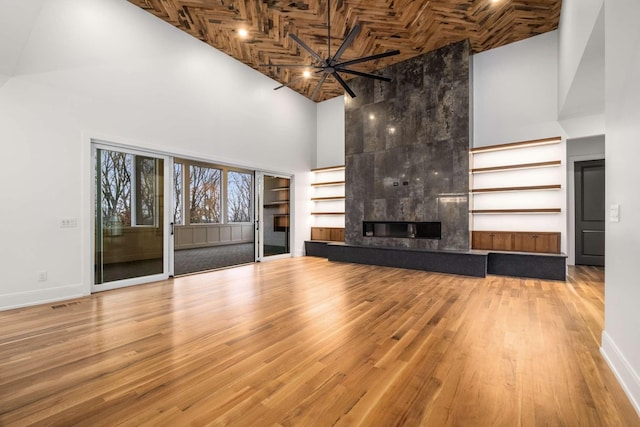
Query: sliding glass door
[212, 216]
[156, 216]
[131, 235]
[274, 226]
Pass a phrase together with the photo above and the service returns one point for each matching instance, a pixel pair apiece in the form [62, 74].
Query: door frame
[259, 215]
[167, 261]
[571, 202]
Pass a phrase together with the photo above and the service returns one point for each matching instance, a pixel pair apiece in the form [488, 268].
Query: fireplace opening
[405, 229]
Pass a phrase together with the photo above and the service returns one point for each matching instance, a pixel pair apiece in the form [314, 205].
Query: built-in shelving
[518, 241]
[327, 184]
[516, 145]
[319, 199]
[522, 188]
[516, 211]
[328, 197]
[520, 195]
[518, 166]
[329, 169]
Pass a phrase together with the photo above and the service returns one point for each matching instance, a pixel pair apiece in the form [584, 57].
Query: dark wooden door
[590, 212]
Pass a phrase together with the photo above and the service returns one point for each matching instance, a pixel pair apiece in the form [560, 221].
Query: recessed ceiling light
[306, 74]
[243, 33]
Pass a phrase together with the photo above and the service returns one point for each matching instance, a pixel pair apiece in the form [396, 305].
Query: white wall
[581, 69]
[330, 135]
[577, 20]
[515, 95]
[584, 126]
[14, 31]
[621, 336]
[106, 69]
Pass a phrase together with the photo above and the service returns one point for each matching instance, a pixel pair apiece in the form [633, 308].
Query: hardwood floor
[306, 342]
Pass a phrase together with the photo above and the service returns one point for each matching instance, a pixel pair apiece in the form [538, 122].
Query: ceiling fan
[331, 65]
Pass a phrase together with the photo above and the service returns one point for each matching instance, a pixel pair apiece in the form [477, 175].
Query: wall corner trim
[622, 369]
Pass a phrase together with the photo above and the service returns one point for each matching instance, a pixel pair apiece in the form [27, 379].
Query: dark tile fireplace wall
[407, 149]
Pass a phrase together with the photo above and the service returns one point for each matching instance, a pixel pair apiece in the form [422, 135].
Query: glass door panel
[130, 234]
[212, 217]
[275, 218]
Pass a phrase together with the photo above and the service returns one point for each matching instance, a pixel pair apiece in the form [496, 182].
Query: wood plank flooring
[307, 342]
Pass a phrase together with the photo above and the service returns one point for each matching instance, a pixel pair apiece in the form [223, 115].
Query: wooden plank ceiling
[412, 26]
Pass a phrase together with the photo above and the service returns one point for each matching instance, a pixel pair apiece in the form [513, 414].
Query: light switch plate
[614, 213]
[68, 222]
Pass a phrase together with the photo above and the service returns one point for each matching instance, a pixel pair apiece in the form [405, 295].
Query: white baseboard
[42, 296]
[624, 372]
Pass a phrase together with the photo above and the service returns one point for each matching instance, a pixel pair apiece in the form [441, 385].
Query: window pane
[145, 190]
[206, 192]
[239, 192]
[177, 194]
[115, 184]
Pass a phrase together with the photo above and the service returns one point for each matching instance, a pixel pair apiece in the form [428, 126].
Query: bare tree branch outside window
[206, 193]
[116, 186]
[239, 192]
[145, 190]
[177, 193]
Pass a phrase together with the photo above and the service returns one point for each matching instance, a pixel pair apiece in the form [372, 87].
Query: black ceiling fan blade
[308, 49]
[368, 58]
[298, 79]
[361, 74]
[289, 65]
[320, 83]
[346, 43]
[290, 83]
[343, 84]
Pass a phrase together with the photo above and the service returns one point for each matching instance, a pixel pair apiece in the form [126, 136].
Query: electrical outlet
[42, 276]
[68, 222]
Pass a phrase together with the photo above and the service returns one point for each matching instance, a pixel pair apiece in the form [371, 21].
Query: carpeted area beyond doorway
[202, 259]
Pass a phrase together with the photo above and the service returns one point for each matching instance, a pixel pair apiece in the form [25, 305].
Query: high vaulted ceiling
[412, 26]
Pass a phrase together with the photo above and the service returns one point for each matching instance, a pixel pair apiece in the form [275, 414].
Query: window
[211, 194]
[128, 189]
[205, 194]
[239, 190]
[115, 186]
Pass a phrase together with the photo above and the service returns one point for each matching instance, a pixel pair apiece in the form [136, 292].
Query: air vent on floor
[68, 304]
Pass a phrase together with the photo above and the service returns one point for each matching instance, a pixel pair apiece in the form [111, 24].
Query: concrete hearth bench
[468, 263]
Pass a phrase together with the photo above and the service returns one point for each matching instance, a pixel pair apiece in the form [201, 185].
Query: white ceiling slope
[587, 92]
[17, 19]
